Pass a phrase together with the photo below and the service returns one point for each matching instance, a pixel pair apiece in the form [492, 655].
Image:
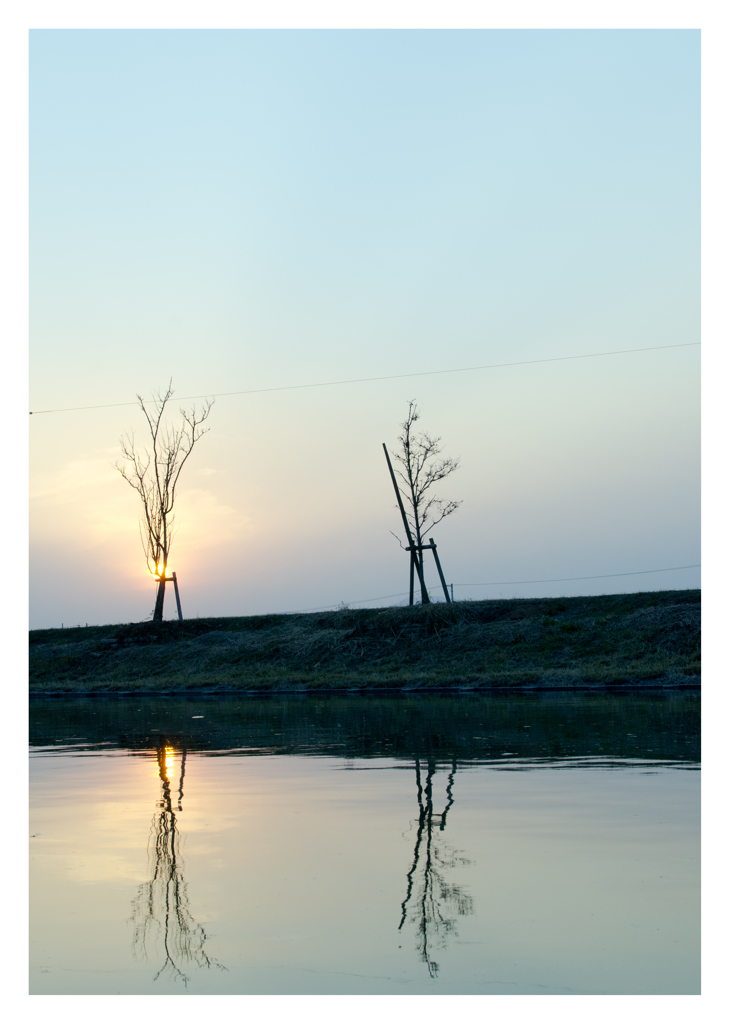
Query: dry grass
[629, 639]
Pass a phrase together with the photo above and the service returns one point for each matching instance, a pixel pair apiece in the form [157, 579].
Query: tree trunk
[425, 599]
[159, 602]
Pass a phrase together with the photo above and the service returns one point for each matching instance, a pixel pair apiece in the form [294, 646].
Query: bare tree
[433, 904]
[161, 905]
[154, 473]
[419, 470]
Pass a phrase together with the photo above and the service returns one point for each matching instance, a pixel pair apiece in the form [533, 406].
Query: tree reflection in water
[161, 905]
[431, 903]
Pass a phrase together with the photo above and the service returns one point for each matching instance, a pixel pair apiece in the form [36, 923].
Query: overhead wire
[567, 579]
[390, 376]
[500, 583]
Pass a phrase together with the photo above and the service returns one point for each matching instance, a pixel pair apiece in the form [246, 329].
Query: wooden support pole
[419, 562]
[177, 597]
[410, 598]
[441, 575]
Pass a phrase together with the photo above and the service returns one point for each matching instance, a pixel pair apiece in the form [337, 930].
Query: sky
[248, 210]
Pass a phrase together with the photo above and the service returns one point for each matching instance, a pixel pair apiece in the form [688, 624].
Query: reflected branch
[182, 779]
[449, 795]
[161, 906]
[438, 903]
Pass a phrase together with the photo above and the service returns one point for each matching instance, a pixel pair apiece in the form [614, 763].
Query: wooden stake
[441, 575]
[177, 597]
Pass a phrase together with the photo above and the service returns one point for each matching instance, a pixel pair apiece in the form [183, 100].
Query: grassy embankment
[646, 639]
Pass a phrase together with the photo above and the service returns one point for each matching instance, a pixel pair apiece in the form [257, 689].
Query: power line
[362, 600]
[392, 376]
[567, 579]
[505, 583]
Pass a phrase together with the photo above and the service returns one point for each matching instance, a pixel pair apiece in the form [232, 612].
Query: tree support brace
[416, 549]
[416, 562]
[177, 594]
[160, 600]
[431, 547]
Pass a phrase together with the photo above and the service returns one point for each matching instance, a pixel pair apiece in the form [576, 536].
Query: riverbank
[617, 641]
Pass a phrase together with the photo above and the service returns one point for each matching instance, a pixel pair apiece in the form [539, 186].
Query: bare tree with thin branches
[154, 472]
[419, 471]
[161, 907]
[432, 903]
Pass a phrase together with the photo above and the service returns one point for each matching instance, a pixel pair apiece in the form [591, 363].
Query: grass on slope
[605, 640]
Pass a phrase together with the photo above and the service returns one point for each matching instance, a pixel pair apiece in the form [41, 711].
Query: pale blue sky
[253, 208]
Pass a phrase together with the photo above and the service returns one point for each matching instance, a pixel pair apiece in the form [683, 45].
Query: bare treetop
[419, 472]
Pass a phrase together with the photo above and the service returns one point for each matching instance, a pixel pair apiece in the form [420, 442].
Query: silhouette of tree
[154, 473]
[161, 905]
[432, 904]
[418, 472]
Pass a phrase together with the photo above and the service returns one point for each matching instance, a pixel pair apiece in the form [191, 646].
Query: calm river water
[362, 845]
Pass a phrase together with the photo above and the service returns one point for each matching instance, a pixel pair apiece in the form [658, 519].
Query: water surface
[363, 845]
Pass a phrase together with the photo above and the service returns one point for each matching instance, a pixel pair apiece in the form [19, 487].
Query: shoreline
[655, 685]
